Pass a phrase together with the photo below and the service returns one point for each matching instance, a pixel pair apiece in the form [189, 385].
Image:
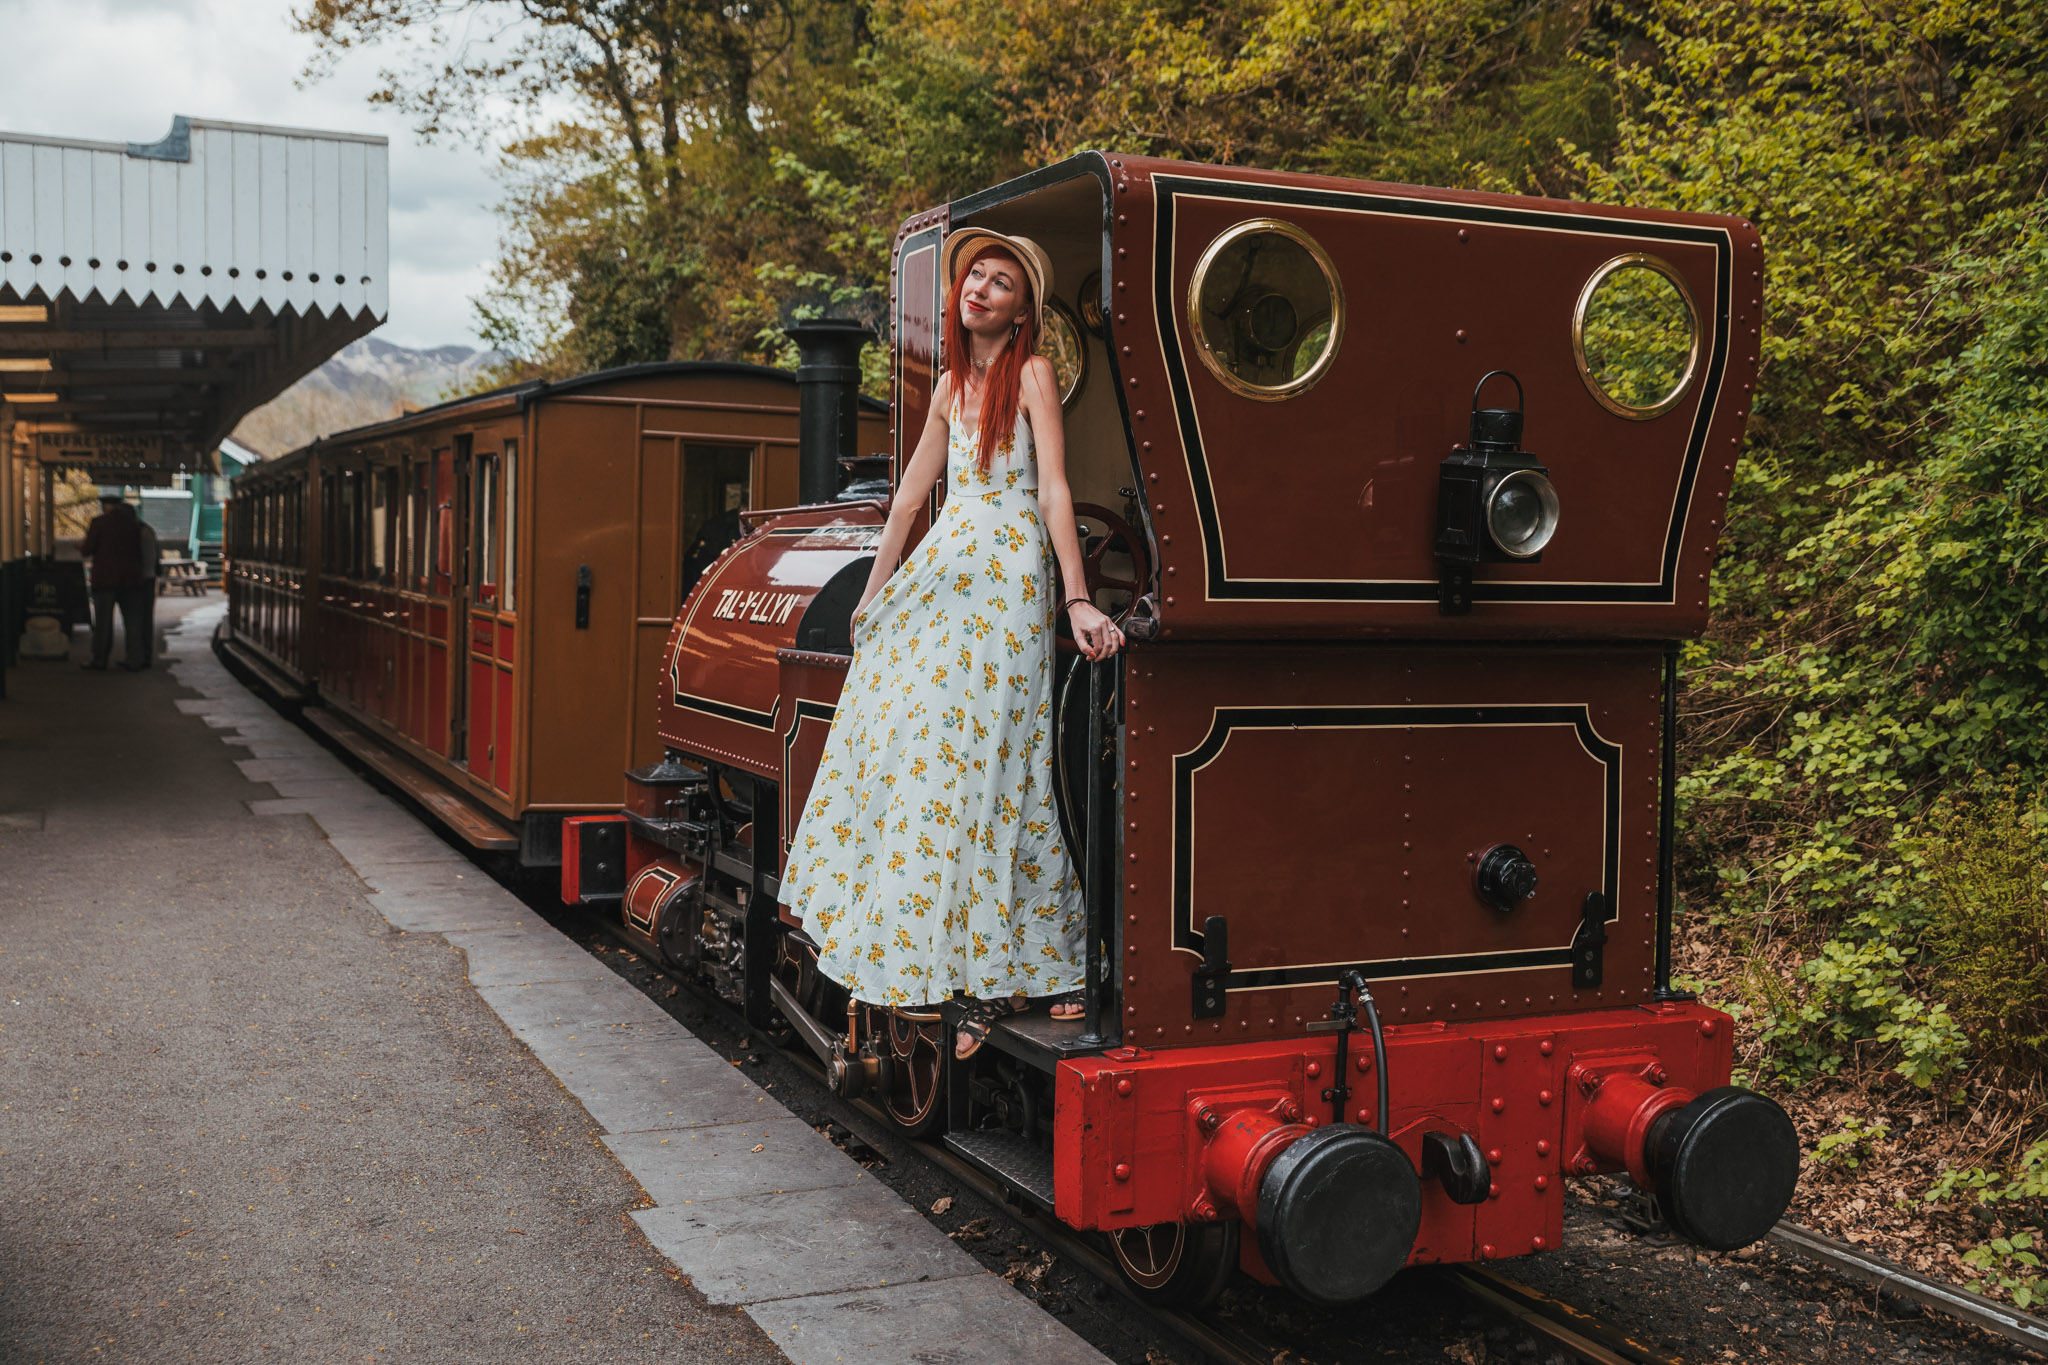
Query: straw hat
[963, 243]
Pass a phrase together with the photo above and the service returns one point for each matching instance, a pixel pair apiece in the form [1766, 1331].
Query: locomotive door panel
[919, 303]
[1379, 822]
[1337, 806]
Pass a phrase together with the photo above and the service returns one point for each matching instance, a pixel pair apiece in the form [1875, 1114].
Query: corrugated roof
[235, 216]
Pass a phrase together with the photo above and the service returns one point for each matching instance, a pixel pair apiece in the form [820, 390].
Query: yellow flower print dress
[929, 857]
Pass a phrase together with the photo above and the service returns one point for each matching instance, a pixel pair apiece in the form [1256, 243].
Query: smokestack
[828, 401]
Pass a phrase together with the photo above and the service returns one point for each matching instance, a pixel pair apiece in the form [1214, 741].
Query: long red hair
[1002, 392]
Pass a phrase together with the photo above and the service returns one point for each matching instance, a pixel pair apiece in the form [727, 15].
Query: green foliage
[2013, 1265]
[1854, 1145]
[2025, 1185]
[1987, 930]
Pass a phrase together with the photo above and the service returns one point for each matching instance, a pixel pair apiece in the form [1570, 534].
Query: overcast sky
[117, 70]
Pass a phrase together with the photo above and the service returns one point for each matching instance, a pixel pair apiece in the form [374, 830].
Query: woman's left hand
[1098, 636]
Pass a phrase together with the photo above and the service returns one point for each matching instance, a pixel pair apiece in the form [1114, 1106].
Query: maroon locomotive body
[1405, 498]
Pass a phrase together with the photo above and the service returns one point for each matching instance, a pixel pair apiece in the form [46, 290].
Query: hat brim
[962, 244]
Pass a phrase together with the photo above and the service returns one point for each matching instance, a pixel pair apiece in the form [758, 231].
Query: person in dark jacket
[114, 545]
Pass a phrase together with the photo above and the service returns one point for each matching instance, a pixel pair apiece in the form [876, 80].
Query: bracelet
[1071, 600]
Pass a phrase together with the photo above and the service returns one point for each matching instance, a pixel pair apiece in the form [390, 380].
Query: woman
[929, 859]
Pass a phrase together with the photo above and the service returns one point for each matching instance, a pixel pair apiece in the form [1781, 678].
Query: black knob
[1506, 877]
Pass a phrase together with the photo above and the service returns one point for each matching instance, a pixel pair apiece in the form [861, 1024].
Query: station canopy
[151, 294]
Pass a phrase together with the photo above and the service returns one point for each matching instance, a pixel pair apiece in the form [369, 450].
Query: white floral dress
[929, 857]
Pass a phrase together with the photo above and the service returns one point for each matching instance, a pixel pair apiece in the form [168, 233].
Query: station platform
[284, 1074]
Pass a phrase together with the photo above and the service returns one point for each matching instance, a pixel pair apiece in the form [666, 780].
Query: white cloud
[117, 70]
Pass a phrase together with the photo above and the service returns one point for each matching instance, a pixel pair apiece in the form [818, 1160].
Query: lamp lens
[1521, 515]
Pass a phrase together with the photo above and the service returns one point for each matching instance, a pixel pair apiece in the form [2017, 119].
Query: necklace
[981, 364]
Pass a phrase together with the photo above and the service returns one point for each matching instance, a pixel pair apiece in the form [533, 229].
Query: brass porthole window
[1636, 336]
[1067, 348]
[1267, 310]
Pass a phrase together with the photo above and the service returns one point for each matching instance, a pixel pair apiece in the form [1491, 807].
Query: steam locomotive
[1405, 499]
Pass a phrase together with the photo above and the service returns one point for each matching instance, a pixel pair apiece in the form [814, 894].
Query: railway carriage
[1406, 499]
[479, 592]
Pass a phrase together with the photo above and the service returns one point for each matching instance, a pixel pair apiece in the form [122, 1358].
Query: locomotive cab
[1406, 498]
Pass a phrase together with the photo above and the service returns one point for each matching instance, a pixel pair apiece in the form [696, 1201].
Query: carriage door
[454, 541]
[488, 694]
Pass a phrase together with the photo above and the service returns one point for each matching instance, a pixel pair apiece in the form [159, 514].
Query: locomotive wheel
[912, 1050]
[1179, 1265]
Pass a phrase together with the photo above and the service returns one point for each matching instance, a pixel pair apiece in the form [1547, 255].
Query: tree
[634, 202]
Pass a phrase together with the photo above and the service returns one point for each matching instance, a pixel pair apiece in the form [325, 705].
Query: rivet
[1542, 1148]
[1486, 1252]
[1544, 1097]
[1538, 1243]
[1546, 1047]
[1499, 1105]
[1463, 235]
[1122, 1171]
[1315, 1068]
[1542, 1182]
[1708, 1028]
[1461, 336]
[1494, 1156]
[1493, 1190]
[1123, 1086]
[1500, 1052]
[1364, 1062]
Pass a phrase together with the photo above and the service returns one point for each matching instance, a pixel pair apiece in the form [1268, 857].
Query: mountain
[366, 381]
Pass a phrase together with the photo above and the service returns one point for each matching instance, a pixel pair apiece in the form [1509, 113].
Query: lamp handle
[1521, 403]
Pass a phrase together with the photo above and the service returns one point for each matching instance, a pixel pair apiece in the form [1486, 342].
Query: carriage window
[380, 524]
[717, 481]
[352, 520]
[1266, 309]
[483, 531]
[1636, 336]
[422, 503]
[330, 539]
[511, 523]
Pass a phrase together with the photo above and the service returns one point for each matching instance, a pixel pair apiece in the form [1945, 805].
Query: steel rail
[1587, 1337]
[2001, 1319]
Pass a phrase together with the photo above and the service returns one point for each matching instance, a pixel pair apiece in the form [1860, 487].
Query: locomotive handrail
[880, 505]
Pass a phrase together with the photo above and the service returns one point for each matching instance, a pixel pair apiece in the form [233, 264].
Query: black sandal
[977, 1017]
[1074, 998]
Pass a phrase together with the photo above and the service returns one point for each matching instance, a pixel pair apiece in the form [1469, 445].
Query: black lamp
[1494, 502]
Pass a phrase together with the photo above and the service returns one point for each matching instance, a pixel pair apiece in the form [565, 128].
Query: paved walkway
[275, 1078]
